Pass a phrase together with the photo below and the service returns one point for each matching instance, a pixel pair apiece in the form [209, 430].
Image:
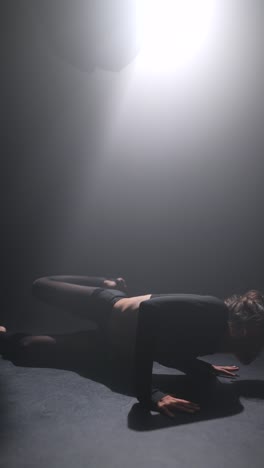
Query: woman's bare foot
[110, 284]
[2, 329]
[121, 284]
[118, 283]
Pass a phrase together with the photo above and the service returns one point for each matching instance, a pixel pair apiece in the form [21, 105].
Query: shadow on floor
[216, 399]
[85, 354]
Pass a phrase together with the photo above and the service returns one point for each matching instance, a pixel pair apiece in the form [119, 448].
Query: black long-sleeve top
[174, 333]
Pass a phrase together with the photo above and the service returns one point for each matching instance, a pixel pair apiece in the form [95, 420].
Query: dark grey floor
[70, 416]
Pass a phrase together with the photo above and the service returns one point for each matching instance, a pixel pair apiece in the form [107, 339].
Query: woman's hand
[226, 371]
[168, 404]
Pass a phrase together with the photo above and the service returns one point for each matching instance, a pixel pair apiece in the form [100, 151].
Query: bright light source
[172, 32]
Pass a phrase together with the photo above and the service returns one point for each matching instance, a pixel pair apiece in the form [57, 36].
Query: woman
[172, 329]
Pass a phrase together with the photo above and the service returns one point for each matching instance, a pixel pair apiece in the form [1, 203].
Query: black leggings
[28, 349]
[84, 296]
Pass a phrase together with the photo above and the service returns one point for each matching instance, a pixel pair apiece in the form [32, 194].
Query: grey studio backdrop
[157, 178]
[164, 188]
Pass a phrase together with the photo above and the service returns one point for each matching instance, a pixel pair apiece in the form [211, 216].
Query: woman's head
[246, 324]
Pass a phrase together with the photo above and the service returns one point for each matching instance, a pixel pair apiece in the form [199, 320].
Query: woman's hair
[246, 309]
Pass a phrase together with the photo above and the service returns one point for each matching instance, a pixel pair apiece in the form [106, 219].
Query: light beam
[172, 32]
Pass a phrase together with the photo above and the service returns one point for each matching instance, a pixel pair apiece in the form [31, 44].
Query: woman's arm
[147, 328]
[143, 363]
